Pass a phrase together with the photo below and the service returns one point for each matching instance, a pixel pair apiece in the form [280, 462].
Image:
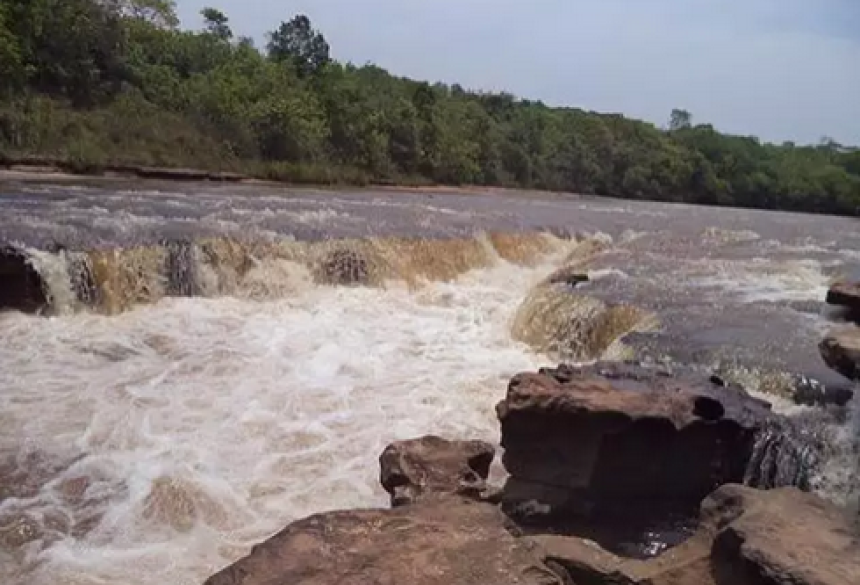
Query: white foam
[207, 425]
[765, 279]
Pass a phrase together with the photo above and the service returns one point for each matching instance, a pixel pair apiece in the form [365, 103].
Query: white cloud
[780, 69]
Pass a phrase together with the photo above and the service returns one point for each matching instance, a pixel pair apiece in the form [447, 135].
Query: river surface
[213, 384]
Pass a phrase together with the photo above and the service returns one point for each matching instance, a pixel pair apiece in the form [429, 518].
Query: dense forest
[112, 82]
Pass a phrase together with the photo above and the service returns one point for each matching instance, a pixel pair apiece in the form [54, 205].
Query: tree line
[107, 82]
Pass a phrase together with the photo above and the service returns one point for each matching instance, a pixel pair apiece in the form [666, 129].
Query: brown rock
[586, 563]
[841, 351]
[781, 537]
[746, 537]
[441, 541]
[614, 439]
[845, 294]
[412, 469]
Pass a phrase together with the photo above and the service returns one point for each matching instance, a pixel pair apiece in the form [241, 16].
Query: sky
[778, 69]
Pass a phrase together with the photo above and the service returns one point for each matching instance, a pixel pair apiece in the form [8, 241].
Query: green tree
[680, 120]
[161, 13]
[116, 81]
[216, 23]
[11, 63]
[299, 43]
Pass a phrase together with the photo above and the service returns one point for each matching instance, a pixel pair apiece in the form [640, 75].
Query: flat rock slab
[446, 541]
[781, 537]
[746, 537]
[841, 351]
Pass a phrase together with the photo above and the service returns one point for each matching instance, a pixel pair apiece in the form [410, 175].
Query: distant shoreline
[49, 170]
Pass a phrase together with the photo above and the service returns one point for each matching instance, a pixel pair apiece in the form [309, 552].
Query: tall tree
[217, 23]
[680, 120]
[299, 43]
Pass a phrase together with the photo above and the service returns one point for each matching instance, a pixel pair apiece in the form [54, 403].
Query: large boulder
[439, 541]
[410, 470]
[845, 294]
[841, 351]
[621, 440]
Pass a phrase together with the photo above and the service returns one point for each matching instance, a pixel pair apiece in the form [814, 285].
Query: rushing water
[184, 400]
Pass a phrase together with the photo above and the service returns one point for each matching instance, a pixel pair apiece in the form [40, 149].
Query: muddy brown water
[216, 361]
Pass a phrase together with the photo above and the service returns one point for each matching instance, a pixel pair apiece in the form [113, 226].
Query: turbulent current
[184, 372]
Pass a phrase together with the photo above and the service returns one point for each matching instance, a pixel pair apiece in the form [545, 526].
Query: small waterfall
[111, 281]
[572, 327]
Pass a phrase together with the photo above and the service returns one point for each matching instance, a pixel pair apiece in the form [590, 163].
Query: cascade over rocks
[410, 470]
[616, 439]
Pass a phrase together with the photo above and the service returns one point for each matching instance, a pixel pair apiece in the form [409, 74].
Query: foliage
[216, 23]
[98, 82]
[297, 42]
[680, 120]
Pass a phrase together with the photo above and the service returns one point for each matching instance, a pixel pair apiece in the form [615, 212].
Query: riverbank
[42, 170]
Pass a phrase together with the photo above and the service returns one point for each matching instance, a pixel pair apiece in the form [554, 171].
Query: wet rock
[431, 465]
[811, 392]
[181, 267]
[841, 351]
[439, 541]
[845, 294]
[556, 320]
[780, 537]
[21, 286]
[568, 276]
[18, 530]
[621, 441]
[344, 267]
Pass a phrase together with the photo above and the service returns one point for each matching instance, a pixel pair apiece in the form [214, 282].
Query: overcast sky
[779, 69]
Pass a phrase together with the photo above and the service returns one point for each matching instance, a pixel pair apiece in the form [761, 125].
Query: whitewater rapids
[148, 439]
[203, 426]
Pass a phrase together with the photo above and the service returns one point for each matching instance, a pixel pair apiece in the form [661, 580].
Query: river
[203, 373]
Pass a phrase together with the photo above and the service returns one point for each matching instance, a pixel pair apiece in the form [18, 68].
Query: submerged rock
[411, 470]
[344, 267]
[439, 541]
[555, 320]
[841, 351]
[620, 440]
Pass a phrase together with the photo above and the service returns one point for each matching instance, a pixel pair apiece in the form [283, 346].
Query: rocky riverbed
[186, 370]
